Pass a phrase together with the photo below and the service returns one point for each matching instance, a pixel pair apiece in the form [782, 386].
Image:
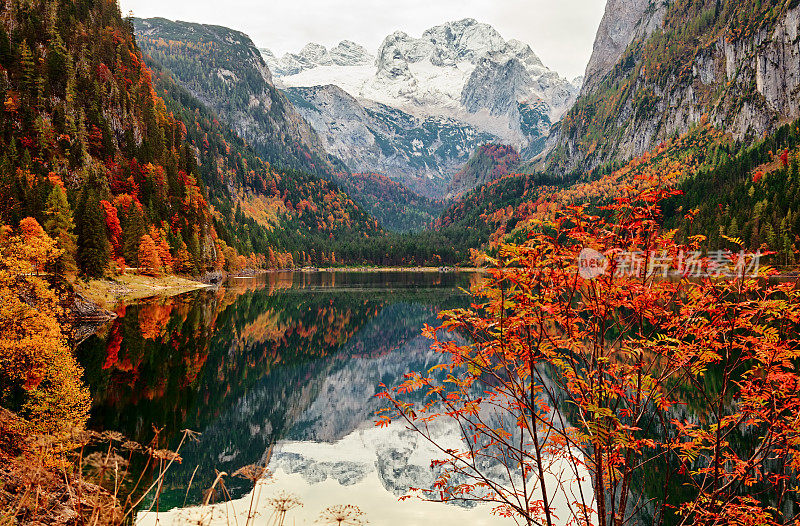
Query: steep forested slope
[258, 208]
[513, 204]
[102, 153]
[394, 206]
[487, 163]
[88, 148]
[748, 192]
[223, 68]
[726, 189]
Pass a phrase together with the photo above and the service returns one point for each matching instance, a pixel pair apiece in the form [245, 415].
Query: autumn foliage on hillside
[257, 207]
[750, 193]
[80, 116]
[513, 204]
[488, 163]
[396, 207]
[92, 152]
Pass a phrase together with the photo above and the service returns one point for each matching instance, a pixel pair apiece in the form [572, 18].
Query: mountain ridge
[458, 72]
[228, 74]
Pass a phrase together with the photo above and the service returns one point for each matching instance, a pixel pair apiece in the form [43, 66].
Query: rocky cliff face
[623, 21]
[462, 84]
[736, 62]
[372, 137]
[223, 69]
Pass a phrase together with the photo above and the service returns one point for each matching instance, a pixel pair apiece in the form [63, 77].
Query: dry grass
[82, 478]
[131, 287]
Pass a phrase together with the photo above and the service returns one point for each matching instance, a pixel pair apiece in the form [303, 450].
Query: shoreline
[442, 270]
[107, 293]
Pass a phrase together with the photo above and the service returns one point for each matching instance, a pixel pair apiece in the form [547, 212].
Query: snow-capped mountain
[373, 137]
[457, 75]
[346, 54]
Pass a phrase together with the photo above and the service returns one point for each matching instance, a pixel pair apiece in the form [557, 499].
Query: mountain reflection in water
[285, 362]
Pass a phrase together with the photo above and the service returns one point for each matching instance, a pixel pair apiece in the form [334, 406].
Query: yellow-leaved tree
[40, 379]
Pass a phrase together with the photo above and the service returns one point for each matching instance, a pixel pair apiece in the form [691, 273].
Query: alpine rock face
[369, 136]
[419, 107]
[658, 68]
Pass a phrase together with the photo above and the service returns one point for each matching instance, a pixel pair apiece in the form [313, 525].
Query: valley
[405, 266]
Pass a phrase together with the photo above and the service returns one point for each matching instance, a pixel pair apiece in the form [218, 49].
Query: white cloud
[561, 32]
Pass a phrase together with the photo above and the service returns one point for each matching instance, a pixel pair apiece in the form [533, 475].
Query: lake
[281, 369]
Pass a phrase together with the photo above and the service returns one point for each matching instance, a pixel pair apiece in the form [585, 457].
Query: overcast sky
[561, 32]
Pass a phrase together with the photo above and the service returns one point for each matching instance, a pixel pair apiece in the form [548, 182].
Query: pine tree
[768, 234]
[149, 262]
[193, 246]
[733, 229]
[132, 232]
[28, 69]
[60, 226]
[93, 246]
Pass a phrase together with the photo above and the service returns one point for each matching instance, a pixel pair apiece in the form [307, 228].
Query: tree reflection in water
[245, 364]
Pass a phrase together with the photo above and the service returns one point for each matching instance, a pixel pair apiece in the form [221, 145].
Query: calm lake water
[285, 367]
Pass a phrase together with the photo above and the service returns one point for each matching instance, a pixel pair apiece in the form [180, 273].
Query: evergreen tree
[93, 246]
[193, 246]
[132, 232]
[733, 229]
[60, 226]
[28, 69]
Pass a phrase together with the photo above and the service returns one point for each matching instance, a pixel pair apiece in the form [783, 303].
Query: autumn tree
[182, 262]
[114, 227]
[164, 254]
[230, 257]
[149, 262]
[60, 226]
[40, 379]
[572, 385]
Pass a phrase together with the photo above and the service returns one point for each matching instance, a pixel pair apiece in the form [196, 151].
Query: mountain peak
[313, 55]
[316, 54]
[349, 53]
[460, 78]
[465, 40]
[524, 53]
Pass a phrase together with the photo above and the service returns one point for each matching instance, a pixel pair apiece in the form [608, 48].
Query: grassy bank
[131, 287]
